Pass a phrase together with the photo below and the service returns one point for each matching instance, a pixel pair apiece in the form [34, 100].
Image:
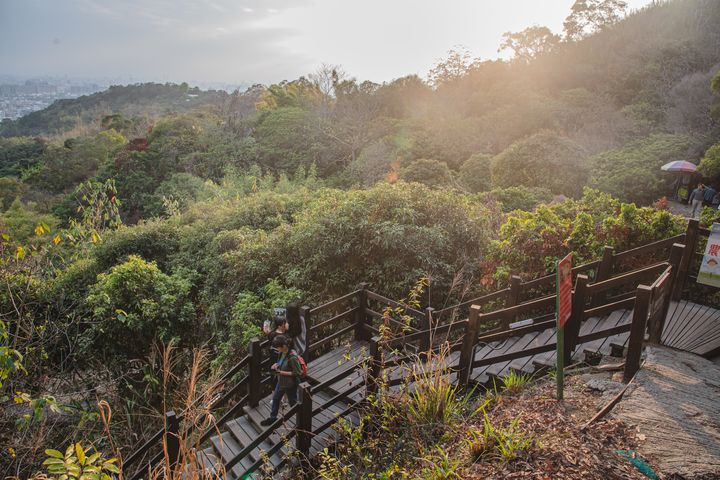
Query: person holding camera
[288, 371]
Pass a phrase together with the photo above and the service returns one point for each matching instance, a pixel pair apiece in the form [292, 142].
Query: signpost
[563, 282]
[709, 273]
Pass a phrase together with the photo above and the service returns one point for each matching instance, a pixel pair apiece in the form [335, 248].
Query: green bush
[136, 304]
[475, 173]
[544, 160]
[429, 172]
[632, 173]
[153, 240]
[529, 242]
[519, 198]
[710, 164]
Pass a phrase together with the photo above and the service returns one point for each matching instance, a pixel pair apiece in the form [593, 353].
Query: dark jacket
[709, 194]
[696, 194]
[289, 363]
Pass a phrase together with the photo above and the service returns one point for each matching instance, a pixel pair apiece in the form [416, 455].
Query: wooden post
[513, 296]
[637, 331]
[465, 362]
[361, 333]
[303, 423]
[372, 381]
[254, 372]
[305, 314]
[657, 324]
[604, 272]
[427, 325]
[572, 327]
[172, 439]
[691, 240]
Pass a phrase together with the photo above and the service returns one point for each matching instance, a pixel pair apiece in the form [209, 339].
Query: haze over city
[255, 41]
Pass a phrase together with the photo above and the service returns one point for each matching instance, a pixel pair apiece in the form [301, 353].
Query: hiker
[296, 328]
[696, 199]
[281, 328]
[289, 371]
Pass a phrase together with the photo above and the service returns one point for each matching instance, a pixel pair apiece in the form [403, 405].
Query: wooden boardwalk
[693, 328]
[689, 326]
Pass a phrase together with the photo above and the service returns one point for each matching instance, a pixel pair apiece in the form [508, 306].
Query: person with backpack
[289, 369]
[281, 328]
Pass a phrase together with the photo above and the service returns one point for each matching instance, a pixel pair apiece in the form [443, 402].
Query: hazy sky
[248, 41]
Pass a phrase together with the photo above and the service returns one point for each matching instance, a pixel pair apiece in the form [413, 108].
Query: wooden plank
[526, 363]
[692, 327]
[678, 320]
[523, 343]
[673, 317]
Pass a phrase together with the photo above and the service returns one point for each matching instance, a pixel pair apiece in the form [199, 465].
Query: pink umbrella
[679, 166]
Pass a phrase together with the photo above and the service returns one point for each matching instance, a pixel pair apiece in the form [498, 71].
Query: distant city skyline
[241, 42]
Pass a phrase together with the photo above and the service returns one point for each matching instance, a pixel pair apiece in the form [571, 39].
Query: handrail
[139, 452]
[649, 247]
[475, 301]
[334, 319]
[393, 303]
[624, 278]
[332, 303]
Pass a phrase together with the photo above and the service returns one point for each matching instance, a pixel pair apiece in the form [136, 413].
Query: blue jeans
[277, 397]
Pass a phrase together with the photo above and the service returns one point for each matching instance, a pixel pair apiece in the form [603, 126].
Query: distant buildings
[18, 99]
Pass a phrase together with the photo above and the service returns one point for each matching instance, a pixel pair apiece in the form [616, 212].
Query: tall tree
[529, 43]
[589, 16]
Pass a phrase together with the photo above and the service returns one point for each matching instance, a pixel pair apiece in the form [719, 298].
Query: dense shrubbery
[529, 242]
[632, 173]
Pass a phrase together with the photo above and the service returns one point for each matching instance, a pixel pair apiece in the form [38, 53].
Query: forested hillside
[154, 215]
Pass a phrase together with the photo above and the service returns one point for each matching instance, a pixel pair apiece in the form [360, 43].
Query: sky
[256, 41]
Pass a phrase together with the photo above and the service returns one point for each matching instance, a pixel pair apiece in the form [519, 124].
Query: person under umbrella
[696, 199]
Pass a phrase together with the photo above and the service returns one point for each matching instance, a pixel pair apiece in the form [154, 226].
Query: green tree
[544, 160]
[135, 303]
[632, 173]
[475, 173]
[529, 43]
[427, 171]
[710, 164]
[589, 16]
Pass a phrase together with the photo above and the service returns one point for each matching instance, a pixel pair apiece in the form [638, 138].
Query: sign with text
[564, 290]
[709, 273]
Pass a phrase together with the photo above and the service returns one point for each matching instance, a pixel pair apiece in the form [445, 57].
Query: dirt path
[675, 403]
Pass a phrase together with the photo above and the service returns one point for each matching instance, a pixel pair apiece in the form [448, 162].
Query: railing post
[361, 333]
[572, 327]
[637, 331]
[305, 314]
[657, 324]
[427, 325]
[372, 380]
[172, 440]
[514, 295]
[254, 372]
[465, 362]
[604, 272]
[303, 423]
[691, 238]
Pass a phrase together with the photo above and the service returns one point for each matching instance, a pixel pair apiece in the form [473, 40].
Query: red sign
[564, 289]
